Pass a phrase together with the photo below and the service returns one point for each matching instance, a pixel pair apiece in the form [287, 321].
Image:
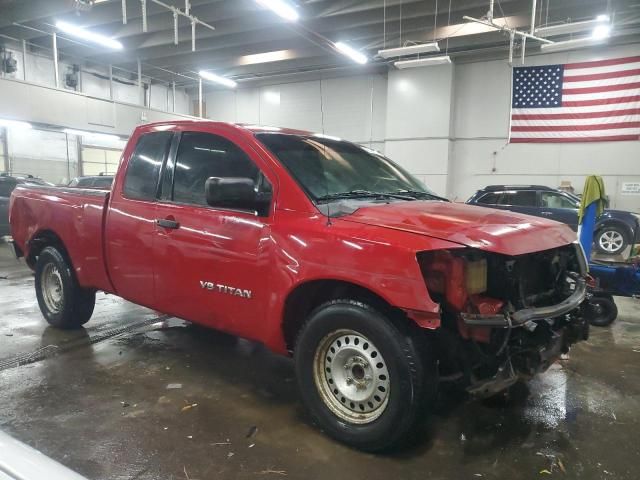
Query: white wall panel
[353, 107]
[221, 105]
[248, 106]
[419, 102]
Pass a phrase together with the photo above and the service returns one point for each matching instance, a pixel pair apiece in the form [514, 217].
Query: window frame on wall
[106, 171]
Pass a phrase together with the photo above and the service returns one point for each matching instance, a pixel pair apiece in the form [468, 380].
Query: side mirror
[237, 193]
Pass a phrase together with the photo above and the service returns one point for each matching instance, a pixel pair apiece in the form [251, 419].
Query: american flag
[576, 102]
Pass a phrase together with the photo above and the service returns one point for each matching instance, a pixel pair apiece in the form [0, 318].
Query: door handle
[166, 223]
[546, 213]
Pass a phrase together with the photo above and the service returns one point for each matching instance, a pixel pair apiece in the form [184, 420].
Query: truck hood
[498, 231]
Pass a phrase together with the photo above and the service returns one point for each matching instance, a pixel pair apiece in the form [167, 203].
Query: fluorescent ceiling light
[570, 44]
[352, 53]
[212, 77]
[282, 8]
[423, 62]
[89, 36]
[573, 27]
[96, 135]
[14, 124]
[266, 57]
[601, 32]
[410, 50]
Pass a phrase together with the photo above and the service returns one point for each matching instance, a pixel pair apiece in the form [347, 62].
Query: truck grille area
[505, 317]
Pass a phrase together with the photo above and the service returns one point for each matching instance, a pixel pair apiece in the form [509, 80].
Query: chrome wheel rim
[52, 290]
[610, 241]
[351, 376]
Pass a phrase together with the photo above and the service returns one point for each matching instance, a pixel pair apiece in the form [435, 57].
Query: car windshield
[330, 169]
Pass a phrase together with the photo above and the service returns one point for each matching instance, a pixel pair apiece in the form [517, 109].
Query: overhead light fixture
[601, 32]
[87, 35]
[282, 8]
[422, 62]
[571, 44]
[14, 124]
[275, 56]
[351, 52]
[410, 50]
[573, 27]
[96, 135]
[212, 77]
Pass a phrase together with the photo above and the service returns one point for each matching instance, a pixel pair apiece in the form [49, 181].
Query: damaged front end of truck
[504, 318]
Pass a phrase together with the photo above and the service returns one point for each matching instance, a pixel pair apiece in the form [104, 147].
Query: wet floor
[139, 396]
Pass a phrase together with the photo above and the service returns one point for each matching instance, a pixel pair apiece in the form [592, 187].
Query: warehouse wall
[482, 157]
[30, 95]
[446, 124]
[353, 108]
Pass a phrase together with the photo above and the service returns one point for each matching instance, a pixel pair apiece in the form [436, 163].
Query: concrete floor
[98, 401]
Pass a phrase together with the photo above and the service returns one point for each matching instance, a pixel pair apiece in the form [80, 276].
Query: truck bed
[76, 216]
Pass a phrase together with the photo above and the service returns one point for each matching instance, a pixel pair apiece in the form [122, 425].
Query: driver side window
[202, 155]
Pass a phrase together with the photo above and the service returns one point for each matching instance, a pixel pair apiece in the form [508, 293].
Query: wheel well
[306, 297]
[616, 224]
[40, 241]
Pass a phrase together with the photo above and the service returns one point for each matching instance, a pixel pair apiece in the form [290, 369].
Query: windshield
[329, 169]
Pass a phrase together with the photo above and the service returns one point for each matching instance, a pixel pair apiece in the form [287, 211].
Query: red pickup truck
[320, 249]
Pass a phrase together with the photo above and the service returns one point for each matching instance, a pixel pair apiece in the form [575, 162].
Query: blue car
[615, 229]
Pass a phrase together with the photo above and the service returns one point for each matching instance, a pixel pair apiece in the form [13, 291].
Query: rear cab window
[143, 170]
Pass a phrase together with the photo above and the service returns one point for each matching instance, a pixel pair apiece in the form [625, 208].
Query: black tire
[601, 310]
[606, 240]
[411, 372]
[63, 303]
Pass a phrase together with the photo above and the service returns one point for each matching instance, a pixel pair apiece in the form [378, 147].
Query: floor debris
[274, 472]
[174, 386]
[252, 431]
[188, 407]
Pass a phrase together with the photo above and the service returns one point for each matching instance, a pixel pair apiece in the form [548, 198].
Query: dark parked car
[7, 184]
[100, 182]
[615, 229]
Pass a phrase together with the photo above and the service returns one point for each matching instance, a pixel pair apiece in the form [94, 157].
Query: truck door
[211, 264]
[131, 218]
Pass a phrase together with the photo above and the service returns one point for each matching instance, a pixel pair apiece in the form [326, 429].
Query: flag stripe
[587, 109]
[599, 96]
[581, 134]
[572, 116]
[608, 81]
[568, 74]
[601, 101]
[575, 128]
[606, 88]
[575, 139]
[576, 121]
[602, 63]
[602, 76]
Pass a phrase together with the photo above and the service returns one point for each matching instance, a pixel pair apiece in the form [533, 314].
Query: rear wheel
[63, 303]
[611, 240]
[601, 310]
[363, 381]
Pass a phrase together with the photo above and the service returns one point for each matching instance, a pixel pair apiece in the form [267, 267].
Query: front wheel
[363, 381]
[611, 240]
[63, 303]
